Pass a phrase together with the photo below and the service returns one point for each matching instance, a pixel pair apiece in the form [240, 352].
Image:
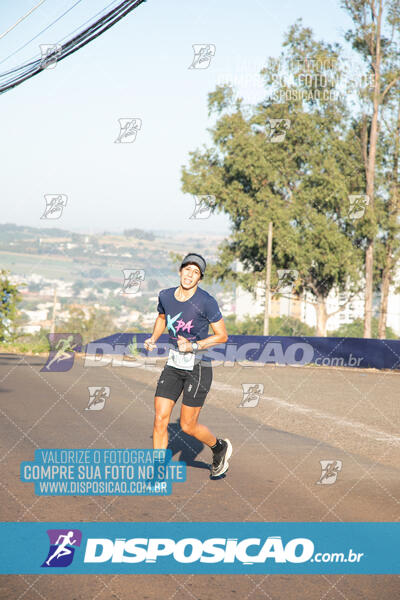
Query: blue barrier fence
[344, 352]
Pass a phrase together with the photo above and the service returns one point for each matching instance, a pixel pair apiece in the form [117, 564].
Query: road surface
[303, 415]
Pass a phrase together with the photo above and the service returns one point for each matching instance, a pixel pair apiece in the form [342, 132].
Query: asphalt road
[302, 416]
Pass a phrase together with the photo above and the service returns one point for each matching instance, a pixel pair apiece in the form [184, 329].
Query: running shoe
[220, 462]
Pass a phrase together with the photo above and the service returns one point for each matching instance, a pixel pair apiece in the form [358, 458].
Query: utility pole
[53, 319]
[267, 306]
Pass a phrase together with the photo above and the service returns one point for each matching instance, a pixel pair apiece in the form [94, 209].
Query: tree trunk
[387, 274]
[369, 263]
[267, 307]
[370, 176]
[322, 316]
[386, 280]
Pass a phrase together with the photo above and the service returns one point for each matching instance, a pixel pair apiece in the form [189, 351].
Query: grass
[36, 343]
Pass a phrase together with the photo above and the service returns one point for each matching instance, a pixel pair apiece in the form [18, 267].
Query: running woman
[188, 311]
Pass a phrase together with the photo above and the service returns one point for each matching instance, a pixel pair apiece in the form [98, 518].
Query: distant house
[37, 320]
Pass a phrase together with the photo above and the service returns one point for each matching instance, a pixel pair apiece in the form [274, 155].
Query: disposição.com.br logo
[62, 547]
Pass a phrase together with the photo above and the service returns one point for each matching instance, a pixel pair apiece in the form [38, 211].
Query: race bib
[181, 360]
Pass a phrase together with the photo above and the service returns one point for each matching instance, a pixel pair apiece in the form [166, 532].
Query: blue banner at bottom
[219, 548]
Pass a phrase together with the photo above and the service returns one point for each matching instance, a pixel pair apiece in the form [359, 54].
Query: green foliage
[36, 343]
[153, 285]
[139, 234]
[356, 330]
[132, 347]
[140, 328]
[112, 285]
[28, 305]
[10, 232]
[290, 326]
[78, 286]
[96, 325]
[9, 299]
[115, 303]
[287, 326]
[95, 273]
[301, 184]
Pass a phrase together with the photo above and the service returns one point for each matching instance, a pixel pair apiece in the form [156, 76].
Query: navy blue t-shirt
[190, 319]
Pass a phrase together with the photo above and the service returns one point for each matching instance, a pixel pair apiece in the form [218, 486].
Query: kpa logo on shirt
[176, 324]
[62, 550]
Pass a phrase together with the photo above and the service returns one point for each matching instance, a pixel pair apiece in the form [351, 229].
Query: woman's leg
[162, 412]
[189, 424]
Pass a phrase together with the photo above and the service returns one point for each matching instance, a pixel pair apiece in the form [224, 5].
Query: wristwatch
[195, 346]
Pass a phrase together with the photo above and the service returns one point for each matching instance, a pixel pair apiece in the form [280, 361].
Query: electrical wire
[21, 19]
[88, 20]
[48, 27]
[40, 32]
[18, 75]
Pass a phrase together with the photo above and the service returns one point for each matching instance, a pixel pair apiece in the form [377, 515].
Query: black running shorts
[195, 384]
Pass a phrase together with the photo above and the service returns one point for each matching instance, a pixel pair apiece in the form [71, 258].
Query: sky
[58, 129]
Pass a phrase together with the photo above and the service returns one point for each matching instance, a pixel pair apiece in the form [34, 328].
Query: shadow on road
[188, 446]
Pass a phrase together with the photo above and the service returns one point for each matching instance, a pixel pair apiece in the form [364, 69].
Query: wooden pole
[267, 306]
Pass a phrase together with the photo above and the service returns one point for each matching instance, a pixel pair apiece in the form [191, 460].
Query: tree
[9, 299]
[78, 286]
[355, 329]
[139, 234]
[302, 185]
[96, 325]
[112, 285]
[374, 37]
[389, 242]
[95, 273]
[153, 285]
[278, 326]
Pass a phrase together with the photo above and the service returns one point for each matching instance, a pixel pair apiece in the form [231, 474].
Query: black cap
[196, 259]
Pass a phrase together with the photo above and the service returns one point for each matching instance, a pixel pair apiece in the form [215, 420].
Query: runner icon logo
[358, 204]
[55, 204]
[276, 129]
[203, 54]
[128, 129]
[50, 55]
[132, 280]
[203, 206]
[287, 279]
[97, 397]
[62, 550]
[62, 351]
[251, 394]
[330, 470]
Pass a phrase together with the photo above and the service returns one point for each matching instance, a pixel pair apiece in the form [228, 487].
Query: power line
[22, 18]
[88, 20]
[50, 25]
[40, 32]
[27, 70]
